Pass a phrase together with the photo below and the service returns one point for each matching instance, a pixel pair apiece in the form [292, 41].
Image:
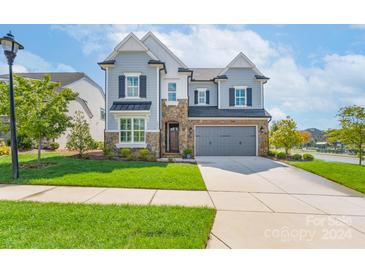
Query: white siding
[94, 97]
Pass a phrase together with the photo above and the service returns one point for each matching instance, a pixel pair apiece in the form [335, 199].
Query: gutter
[159, 107]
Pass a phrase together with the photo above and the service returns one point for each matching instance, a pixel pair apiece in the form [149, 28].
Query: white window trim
[132, 143]
[131, 74]
[205, 96]
[245, 90]
[171, 82]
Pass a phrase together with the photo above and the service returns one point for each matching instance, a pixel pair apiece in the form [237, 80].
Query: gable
[241, 61]
[130, 43]
[162, 52]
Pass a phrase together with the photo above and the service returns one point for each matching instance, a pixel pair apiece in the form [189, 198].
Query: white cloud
[29, 62]
[321, 89]
[277, 114]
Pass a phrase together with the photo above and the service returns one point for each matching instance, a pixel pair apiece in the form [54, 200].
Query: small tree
[286, 135]
[306, 137]
[80, 138]
[352, 132]
[41, 108]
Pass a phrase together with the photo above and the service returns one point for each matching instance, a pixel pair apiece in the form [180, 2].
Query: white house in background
[90, 99]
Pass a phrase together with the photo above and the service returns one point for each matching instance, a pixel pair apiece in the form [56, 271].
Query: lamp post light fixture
[11, 47]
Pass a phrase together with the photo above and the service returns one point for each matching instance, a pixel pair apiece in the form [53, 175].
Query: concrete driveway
[266, 204]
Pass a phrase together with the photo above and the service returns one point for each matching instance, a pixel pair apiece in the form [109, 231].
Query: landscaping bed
[57, 169]
[53, 225]
[350, 175]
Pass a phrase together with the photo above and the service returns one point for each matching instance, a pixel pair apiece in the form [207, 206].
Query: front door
[174, 138]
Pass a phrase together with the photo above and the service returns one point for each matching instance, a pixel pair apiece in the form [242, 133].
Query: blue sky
[314, 69]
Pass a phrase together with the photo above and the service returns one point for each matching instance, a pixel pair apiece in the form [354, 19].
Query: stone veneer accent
[263, 138]
[179, 114]
[110, 139]
[152, 140]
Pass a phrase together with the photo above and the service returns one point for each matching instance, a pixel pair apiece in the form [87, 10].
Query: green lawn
[53, 225]
[350, 175]
[66, 170]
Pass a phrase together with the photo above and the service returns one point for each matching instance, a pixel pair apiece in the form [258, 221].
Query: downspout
[159, 107]
[105, 109]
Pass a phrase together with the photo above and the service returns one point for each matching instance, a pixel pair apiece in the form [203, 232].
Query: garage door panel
[226, 141]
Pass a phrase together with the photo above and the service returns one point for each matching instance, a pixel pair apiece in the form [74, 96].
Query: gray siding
[133, 62]
[240, 77]
[212, 87]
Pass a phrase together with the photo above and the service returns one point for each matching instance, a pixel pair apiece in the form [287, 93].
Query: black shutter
[231, 97]
[195, 97]
[207, 97]
[143, 86]
[249, 96]
[121, 86]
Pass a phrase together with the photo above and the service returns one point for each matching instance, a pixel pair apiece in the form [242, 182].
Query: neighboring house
[90, 99]
[155, 101]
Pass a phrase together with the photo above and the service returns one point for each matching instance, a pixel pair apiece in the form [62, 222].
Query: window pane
[172, 96]
[172, 87]
[138, 136]
[132, 91]
[138, 124]
[132, 81]
[239, 101]
[125, 136]
[239, 92]
[125, 124]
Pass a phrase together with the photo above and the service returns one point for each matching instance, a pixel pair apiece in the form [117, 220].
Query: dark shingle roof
[65, 78]
[130, 106]
[205, 73]
[215, 112]
[107, 62]
[262, 77]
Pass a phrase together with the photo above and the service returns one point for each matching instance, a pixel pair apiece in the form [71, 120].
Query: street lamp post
[11, 48]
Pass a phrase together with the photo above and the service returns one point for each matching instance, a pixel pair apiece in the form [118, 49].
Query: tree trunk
[360, 155]
[39, 149]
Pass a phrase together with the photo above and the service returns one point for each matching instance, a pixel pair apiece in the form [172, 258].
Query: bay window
[132, 130]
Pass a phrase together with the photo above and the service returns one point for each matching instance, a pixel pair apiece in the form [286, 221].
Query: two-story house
[154, 101]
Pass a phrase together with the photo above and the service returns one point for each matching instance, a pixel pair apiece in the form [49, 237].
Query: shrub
[297, 157]
[100, 145]
[132, 157]
[187, 151]
[272, 153]
[53, 145]
[97, 145]
[80, 138]
[125, 152]
[107, 151]
[143, 154]
[308, 157]
[4, 150]
[281, 155]
[170, 159]
[151, 158]
[24, 142]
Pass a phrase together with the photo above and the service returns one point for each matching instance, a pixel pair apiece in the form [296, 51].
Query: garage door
[225, 141]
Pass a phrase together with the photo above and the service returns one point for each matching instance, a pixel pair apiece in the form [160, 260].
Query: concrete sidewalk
[100, 195]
